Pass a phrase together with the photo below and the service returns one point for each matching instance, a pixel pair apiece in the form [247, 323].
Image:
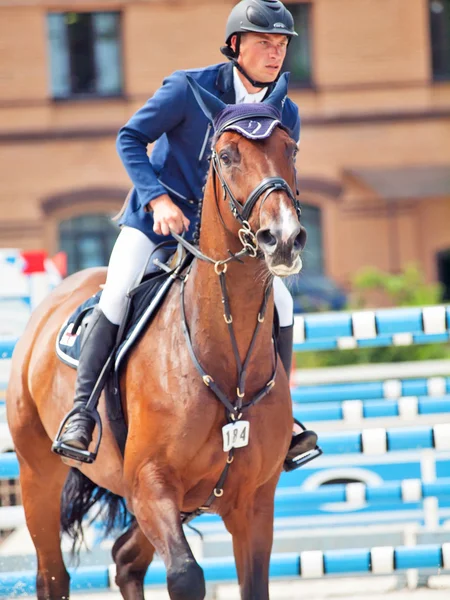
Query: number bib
[235, 435]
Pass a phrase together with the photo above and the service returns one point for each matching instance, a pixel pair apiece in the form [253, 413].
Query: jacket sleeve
[162, 113]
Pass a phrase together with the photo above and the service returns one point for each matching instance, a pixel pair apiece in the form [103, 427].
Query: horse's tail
[78, 497]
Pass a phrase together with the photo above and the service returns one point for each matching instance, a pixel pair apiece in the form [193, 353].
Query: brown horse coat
[174, 454]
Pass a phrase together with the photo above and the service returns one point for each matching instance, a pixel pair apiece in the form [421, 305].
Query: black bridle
[241, 213]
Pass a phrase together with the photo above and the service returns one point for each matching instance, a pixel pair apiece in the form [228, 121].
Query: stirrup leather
[83, 456]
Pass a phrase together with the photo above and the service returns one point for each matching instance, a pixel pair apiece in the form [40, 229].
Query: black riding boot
[303, 446]
[97, 343]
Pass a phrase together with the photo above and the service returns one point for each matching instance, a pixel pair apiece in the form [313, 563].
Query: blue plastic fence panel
[6, 348]
[347, 561]
[423, 556]
[9, 466]
[399, 320]
[327, 326]
[410, 438]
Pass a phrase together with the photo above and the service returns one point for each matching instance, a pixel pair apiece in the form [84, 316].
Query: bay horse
[174, 456]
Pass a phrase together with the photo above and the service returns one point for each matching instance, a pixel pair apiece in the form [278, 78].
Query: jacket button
[191, 202]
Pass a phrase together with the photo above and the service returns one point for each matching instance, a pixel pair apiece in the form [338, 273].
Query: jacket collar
[225, 83]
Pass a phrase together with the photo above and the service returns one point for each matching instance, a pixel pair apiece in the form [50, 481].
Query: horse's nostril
[300, 240]
[266, 238]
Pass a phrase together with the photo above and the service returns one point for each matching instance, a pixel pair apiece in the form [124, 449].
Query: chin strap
[233, 56]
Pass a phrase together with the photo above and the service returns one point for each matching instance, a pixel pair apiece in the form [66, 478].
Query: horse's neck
[246, 284]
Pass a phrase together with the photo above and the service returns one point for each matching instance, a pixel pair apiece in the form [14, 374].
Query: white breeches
[284, 302]
[129, 262]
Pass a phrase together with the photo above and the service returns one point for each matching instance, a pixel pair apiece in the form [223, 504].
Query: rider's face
[262, 55]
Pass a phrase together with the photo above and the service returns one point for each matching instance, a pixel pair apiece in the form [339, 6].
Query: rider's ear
[210, 105]
[278, 96]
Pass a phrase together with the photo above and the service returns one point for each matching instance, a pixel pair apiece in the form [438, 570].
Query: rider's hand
[167, 216]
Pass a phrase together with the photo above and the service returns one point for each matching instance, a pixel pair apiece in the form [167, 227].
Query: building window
[85, 54]
[298, 58]
[87, 240]
[440, 38]
[313, 254]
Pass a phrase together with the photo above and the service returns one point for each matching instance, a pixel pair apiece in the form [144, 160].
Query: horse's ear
[278, 96]
[210, 105]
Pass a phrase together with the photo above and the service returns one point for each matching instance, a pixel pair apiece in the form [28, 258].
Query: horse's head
[254, 163]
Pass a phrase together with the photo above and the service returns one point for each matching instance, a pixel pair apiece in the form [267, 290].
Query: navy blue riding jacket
[179, 164]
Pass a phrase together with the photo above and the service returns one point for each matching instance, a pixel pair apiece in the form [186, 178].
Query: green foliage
[405, 289]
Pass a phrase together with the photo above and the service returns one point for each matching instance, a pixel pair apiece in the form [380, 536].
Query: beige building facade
[371, 78]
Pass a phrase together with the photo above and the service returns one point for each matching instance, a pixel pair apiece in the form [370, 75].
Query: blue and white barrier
[390, 389]
[6, 443]
[397, 492]
[353, 411]
[378, 441]
[373, 442]
[362, 329]
[7, 348]
[295, 502]
[9, 466]
[23, 583]
[307, 564]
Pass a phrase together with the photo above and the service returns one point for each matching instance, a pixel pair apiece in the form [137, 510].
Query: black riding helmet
[258, 16]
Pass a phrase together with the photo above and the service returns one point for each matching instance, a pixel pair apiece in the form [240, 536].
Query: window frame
[96, 96]
[307, 83]
[443, 43]
[75, 233]
[317, 212]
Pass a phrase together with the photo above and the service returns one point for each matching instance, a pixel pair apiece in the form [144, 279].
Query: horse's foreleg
[251, 526]
[156, 504]
[132, 553]
[42, 477]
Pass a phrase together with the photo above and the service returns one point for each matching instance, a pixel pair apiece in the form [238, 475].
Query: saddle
[144, 302]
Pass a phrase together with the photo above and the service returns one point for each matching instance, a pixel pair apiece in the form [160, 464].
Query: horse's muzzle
[282, 255]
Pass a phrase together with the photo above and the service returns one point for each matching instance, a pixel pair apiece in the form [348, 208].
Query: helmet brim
[277, 30]
[289, 34]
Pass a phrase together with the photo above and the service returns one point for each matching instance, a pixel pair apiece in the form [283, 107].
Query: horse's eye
[225, 158]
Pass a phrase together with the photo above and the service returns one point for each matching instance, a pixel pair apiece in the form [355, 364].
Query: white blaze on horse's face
[281, 237]
[288, 226]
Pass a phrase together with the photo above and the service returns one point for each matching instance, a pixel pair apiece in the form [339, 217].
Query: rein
[241, 213]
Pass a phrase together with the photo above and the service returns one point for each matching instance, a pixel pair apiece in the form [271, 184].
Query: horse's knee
[185, 580]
